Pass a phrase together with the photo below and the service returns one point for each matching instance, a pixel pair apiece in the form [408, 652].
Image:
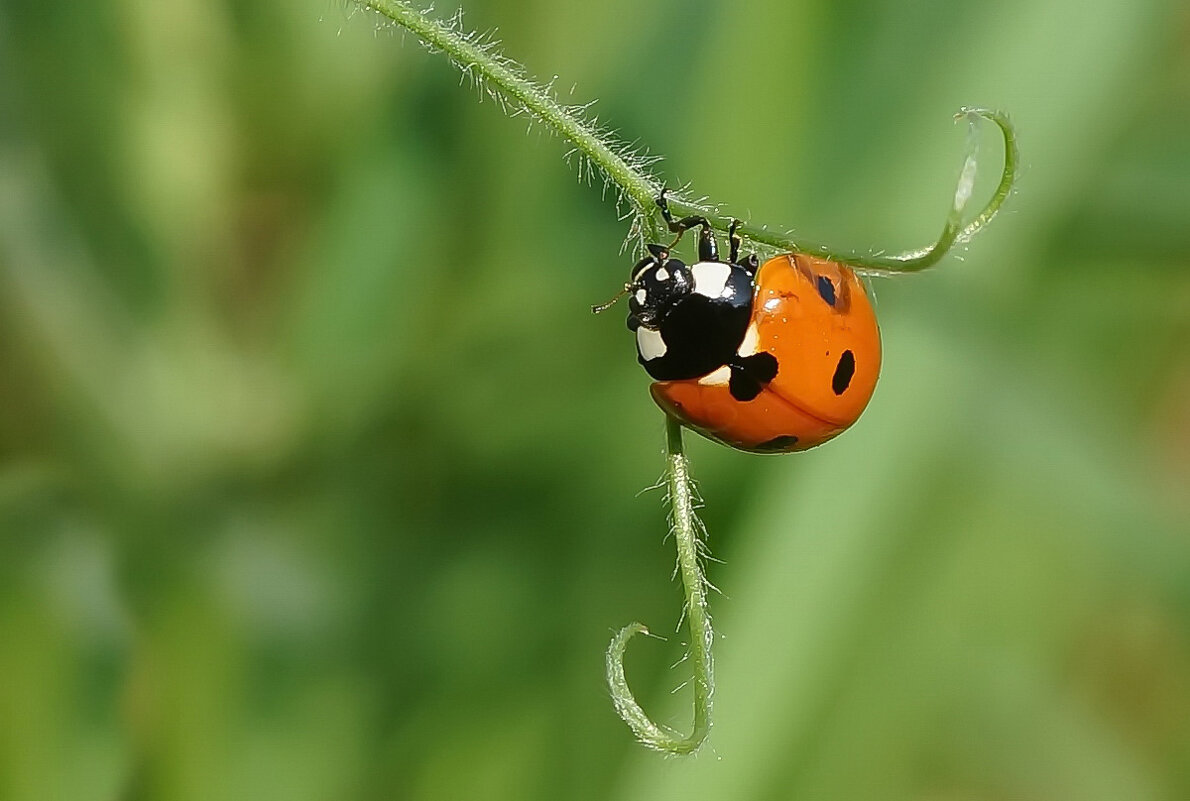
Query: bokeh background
[318, 479]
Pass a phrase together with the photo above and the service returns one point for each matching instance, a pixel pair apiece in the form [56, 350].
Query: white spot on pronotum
[751, 343]
[640, 296]
[662, 274]
[710, 278]
[649, 343]
[717, 378]
[771, 304]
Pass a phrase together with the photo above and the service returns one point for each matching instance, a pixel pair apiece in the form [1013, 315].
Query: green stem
[953, 231]
[628, 171]
[621, 166]
[685, 530]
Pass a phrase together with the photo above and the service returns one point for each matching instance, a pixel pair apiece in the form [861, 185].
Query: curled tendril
[685, 530]
[953, 231]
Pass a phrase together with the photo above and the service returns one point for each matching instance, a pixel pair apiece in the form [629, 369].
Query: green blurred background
[318, 480]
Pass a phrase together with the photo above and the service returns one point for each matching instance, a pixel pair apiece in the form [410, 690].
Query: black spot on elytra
[826, 289]
[844, 370]
[778, 443]
[750, 374]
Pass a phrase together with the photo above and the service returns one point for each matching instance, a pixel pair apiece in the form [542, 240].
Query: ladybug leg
[750, 263]
[734, 239]
[708, 248]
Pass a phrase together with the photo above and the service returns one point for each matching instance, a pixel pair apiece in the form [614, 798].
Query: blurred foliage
[319, 481]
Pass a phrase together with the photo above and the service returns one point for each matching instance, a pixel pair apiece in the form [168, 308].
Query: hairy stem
[628, 171]
[510, 82]
[685, 530]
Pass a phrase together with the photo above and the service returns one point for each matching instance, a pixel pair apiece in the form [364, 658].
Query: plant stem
[685, 531]
[510, 82]
[628, 170]
[953, 231]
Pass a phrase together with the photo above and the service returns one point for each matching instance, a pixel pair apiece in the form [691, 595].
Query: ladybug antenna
[602, 307]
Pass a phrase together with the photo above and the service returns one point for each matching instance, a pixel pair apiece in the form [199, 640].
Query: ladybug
[767, 358]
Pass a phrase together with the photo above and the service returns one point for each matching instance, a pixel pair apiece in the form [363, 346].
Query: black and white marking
[711, 279]
[695, 323]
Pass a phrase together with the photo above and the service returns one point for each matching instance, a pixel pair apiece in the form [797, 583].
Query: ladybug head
[657, 283]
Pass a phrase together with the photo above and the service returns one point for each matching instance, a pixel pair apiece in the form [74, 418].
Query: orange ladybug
[766, 358]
